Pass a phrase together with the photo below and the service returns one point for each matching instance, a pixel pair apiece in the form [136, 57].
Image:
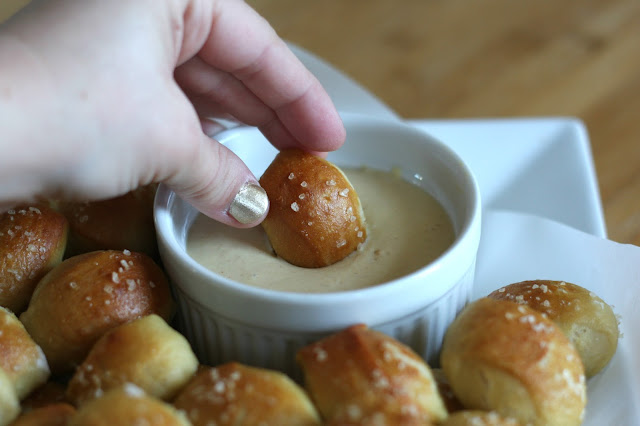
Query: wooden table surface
[491, 58]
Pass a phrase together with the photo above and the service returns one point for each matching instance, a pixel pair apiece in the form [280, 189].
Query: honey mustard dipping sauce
[407, 229]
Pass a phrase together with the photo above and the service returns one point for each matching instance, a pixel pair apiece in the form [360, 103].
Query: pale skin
[100, 97]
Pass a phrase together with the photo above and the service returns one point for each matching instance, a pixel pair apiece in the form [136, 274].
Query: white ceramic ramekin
[226, 320]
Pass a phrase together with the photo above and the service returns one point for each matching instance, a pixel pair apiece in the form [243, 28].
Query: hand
[101, 97]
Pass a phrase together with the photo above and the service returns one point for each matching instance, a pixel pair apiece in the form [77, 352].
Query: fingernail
[249, 204]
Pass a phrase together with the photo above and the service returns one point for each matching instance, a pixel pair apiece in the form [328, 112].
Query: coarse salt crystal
[131, 284]
[321, 354]
[133, 390]
[219, 387]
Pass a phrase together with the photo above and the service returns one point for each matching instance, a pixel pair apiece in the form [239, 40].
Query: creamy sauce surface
[407, 229]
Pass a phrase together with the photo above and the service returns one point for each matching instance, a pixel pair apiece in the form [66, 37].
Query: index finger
[243, 44]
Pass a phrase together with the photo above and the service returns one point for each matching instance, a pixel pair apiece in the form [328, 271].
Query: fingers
[220, 185]
[244, 69]
[264, 83]
[212, 91]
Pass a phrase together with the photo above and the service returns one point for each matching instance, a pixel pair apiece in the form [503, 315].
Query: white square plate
[543, 219]
[541, 166]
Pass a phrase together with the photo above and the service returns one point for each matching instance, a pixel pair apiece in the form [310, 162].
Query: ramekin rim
[469, 234]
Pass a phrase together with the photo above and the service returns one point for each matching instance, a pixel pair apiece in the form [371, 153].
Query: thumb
[219, 184]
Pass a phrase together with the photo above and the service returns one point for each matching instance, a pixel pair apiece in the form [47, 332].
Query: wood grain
[491, 58]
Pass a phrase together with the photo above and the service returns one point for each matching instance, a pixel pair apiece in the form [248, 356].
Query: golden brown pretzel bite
[315, 217]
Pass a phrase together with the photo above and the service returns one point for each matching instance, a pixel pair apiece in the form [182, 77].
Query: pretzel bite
[32, 242]
[124, 222]
[9, 402]
[57, 414]
[87, 295]
[361, 376]
[587, 320]
[504, 357]
[233, 393]
[21, 358]
[146, 352]
[478, 418]
[127, 405]
[315, 218]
